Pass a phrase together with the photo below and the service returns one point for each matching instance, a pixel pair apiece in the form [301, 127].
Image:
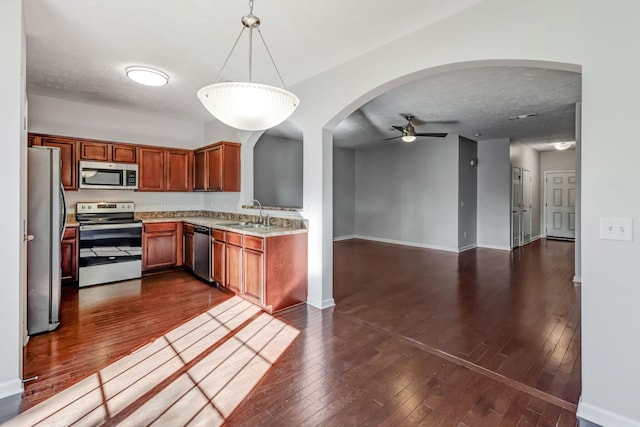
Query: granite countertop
[280, 227]
[270, 231]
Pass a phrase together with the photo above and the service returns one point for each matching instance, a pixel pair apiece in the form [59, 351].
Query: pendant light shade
[248, 106]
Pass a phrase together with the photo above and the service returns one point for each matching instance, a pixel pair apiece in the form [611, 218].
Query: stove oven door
[110, 253]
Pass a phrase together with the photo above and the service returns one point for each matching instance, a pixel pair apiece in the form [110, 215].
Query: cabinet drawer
[255, 243]
[160, 226]
[234, 238]
[187, 228]
[218, 235]
[70, 233]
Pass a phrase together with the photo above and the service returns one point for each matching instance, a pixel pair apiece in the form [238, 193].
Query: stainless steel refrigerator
[46, 219]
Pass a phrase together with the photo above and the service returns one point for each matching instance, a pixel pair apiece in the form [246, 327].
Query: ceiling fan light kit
[408, 138]
[247, 105]
[409, 132]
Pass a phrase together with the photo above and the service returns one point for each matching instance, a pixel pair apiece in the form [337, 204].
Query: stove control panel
[104, 207]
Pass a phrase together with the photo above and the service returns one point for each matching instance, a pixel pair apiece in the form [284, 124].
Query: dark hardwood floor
[101, 324]
[418, 337]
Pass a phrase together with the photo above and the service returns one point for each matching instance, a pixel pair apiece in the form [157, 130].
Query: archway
[326, 251]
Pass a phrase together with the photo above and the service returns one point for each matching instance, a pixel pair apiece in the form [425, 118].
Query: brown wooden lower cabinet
[69, 254]
[269, 271]
[187, 250]
[218, 256]
[234, 262]
[161, 245]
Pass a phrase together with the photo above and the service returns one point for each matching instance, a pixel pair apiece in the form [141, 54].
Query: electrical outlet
[616, 229]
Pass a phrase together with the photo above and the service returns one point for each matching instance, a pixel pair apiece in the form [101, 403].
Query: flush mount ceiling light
[247, 105]
[523, 116]
[477, 134]
[147, 76]
[562, 145]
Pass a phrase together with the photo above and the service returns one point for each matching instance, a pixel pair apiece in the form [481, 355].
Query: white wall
[527, 158]
[12, 213]
[467, 194]
[344, 193]
[557, 161]
[408, 193]
[610, 176]
[68, 118]
[494, 194]
[277, 171]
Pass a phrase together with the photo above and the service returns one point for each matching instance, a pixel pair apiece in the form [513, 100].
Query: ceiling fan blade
[434, 135]
[400, 128]
[395, 137]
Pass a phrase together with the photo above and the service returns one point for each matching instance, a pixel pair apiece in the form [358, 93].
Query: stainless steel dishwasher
[202, 252]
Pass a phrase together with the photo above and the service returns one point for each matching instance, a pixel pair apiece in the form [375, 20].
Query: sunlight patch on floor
[196, 374]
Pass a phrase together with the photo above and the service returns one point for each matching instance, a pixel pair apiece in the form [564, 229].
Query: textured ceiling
[466, 102]
[79, 51]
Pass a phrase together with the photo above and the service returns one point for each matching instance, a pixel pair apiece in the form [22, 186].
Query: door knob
[28, 237]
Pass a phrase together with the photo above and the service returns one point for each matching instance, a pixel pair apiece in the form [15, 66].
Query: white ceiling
[466, 102]
[79, 50]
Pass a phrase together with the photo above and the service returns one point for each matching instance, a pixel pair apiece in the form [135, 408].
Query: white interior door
[560, 204]
[527, 204]
[516, 207]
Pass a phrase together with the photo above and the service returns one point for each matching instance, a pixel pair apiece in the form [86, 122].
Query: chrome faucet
[253, 203]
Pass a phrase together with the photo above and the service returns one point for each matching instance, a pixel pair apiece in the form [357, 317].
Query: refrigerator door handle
[63, 223]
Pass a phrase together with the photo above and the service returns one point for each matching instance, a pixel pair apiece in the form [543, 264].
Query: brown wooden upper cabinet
[68, 157]
[179, 171]
[107, 152]
[217, 167]
[164, 169]
[151, 169]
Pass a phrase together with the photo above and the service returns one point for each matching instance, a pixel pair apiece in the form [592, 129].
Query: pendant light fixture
[248, 105]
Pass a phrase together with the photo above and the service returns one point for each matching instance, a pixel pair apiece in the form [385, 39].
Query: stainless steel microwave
[108, 176]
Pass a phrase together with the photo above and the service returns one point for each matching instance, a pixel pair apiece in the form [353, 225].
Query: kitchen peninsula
[265, 264]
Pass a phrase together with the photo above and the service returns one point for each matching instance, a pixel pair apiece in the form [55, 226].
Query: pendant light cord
[271, 57]
[257, 27]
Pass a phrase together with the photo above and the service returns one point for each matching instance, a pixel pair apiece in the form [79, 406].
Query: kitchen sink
[245, 225]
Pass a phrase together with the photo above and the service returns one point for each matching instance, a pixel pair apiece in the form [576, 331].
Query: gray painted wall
[277, 171]
[494, 194]
[344, 192]
[527, 158]
[409, 193]
[467, 193]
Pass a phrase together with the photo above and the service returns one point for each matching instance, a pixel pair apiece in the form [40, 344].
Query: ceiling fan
[409, 133]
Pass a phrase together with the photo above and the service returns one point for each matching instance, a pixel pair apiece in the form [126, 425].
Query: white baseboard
[321, 304]
[534, 238]
[468, 247]
[339, 238]
[498, 247]
[401, 242]
[11, 387]
[603, 417]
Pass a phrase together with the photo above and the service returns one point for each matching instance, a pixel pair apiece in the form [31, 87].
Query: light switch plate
[616, 229]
